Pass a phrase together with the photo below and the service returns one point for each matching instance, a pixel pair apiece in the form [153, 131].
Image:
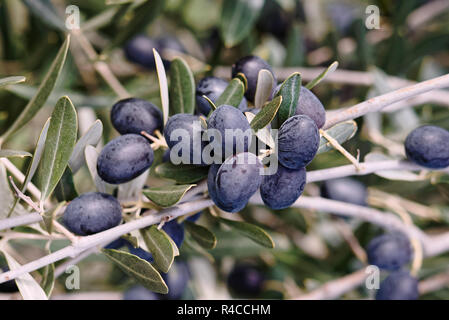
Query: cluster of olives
[239, 173]
[392, 252]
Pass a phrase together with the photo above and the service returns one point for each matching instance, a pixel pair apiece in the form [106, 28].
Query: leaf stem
[342, 150]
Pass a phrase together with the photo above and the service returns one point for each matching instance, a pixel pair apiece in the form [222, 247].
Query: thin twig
[365, 168]
[86, 243]
[336, 288]
[378, 103]
[340, 149]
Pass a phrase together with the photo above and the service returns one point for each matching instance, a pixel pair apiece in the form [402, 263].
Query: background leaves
[237, 19]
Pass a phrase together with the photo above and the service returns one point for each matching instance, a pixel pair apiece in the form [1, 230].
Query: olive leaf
[263, 134]
[266, 115]
[38, 100]
[131, 190]
[5, 153]
[182, 88]
[251, 231]
[11, 80]
[48, 274]
[189, 243]
[237, 19]
[139, 269]
[211, 103]
[160, 246]
[167, 196]
[61, 138]
[163, 86]
[7, 197]
[341, 132]
[181, 173]
[28, 287]
[289, 91]
[322, 75]
[65, 189]
[233, 94]
[91, 137]
[34, 162]
[201, 235]
[91, 156]
[265, 83]
[49, 216]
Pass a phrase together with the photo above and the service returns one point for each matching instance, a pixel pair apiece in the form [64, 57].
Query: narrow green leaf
[322, 75]
[48, 274]
[237, 19]
[189, 243]
[253, 232]
[167, 196]
[181, 173]
[34, 162]
[212, 104]
[11, 80]
[263, 134]
[265, 83]
[131, 239]
[28, 287]
[7, 197]
[341, 132]
[48, 280]
[91, 137]
[91, 156]
[233, 94]
[289, 91]
[242, 77]
[5, 153]
[61, 138]
[131, 191]
[267, 114]
[163, 86]
[49, 216]
[65, 189]
[42, 94]
[159, 244]
[139, 269]
[201, 235]
[182, 88]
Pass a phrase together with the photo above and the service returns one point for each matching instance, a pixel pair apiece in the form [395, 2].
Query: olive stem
[342, 150]
[59, 227]
[336, 288]
[157, 142]
[21, 177]
[88, 242]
